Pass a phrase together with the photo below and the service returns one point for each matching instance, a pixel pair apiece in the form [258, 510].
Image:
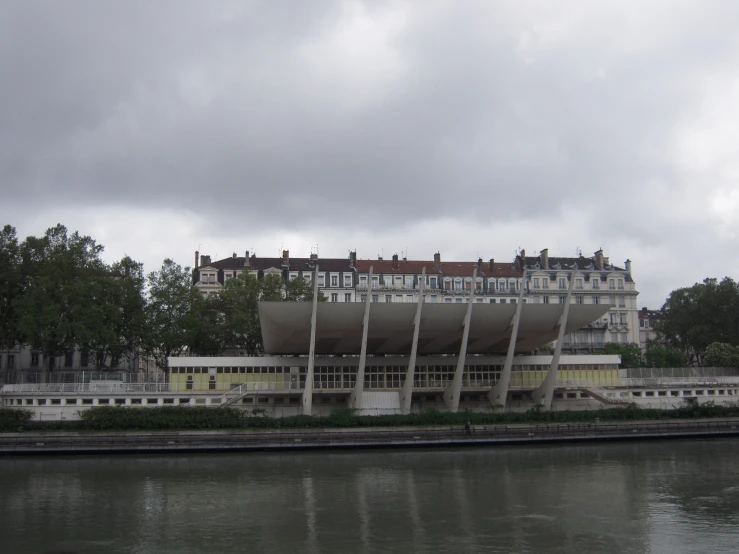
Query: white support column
[543, 393]
[406, 393]
[308, 390]
[355, 398]
[498, 395]
[451, 394]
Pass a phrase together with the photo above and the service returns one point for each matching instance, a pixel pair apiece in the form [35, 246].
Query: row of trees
[58, 295]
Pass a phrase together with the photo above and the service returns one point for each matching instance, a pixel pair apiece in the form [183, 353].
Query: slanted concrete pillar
[355, 398]
[308, 390]
[498, 394]
[451, 394]
[543, 393]
[406, 393]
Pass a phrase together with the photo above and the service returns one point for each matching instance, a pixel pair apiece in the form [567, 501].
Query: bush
[165, 417]
[12, 419]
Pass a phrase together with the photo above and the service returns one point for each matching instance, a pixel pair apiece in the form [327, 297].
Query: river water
[656, 497]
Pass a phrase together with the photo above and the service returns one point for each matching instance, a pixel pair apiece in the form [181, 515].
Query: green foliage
[107, 418]
[12, 419]
[720, 354]
[697, 316]
[343, 417]
[10, 287]
[663, 356]
[630, 353]
[169, 312]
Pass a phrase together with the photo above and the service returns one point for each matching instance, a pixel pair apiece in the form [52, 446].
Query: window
[513, 300]
[363, 298]
[293, 276]
[621, 302]
[492, 300]
[514, 285]
[562, 283]
[347, 297]
[579, 299]
[620, 284]
[188, 385]
[347, 280]
[363, 280]
[334, 297]
[544, 283]
[624, 338]
[578, 284]
[457, 284]
[536, 282]
[374, 297]
[432, 282]
[334, 280]
[562, 299]
[596, 299]
[612, 284]
[447, 300]
[388, 298]
[458, 300]
[399, 298]
[502, 300]
[434, 299]
[34, 359]
[375, 281]
[212, 382]
[307, 277]
[387, 280]
[68, 358]
[596, 281]
[321, 280]
[11, 361]
[546, 299]
[622, 318]
[409, 281]
[502, 285]
[409, 298]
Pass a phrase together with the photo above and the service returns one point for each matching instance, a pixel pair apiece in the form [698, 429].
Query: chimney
[492, 265]
[246, 259]
[313, 258]
[479, 265]
[197, 254]
[379, 258]
[599, 259]
[628, 267]
[204, 260]
[353, 259]
[522, 256]
[545, 258]
[285, 258]
[396, 265]
[437, 262]
[234, 255]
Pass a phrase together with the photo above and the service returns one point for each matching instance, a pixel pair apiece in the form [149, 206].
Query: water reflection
[631, 497]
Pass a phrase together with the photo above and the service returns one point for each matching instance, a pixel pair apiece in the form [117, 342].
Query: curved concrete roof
[286, 327]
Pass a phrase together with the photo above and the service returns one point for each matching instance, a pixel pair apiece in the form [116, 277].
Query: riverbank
[283, 440]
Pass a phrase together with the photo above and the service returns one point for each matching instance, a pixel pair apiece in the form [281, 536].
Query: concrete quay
[306, 439]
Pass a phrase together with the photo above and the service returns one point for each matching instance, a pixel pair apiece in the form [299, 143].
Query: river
[651, 497]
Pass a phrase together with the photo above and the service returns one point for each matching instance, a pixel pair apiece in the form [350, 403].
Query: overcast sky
[468, 127]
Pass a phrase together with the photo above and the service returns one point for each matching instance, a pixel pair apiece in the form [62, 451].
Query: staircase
[602, 396]
[234, 395]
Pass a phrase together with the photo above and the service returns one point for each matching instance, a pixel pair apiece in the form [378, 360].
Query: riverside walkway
[302, 439]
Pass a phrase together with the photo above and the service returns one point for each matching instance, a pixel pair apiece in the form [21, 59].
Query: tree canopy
[697, 316]
[57, 294]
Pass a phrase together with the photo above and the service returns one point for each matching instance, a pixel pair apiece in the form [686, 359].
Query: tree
[662, 356]
[630, 353]
[10, 288]
[694, 317]
[720, 354]
[168, 327]
[237, 302]
[57, 275]
[113, 325]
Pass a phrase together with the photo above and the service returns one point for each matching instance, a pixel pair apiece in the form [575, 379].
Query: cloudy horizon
[472, 128]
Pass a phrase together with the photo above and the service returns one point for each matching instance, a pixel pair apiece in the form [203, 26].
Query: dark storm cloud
[258, 113]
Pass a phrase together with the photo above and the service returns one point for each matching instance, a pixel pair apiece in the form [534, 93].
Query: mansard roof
[582, 263]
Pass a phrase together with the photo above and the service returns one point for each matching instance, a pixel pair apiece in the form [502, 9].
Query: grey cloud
[491, 113]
